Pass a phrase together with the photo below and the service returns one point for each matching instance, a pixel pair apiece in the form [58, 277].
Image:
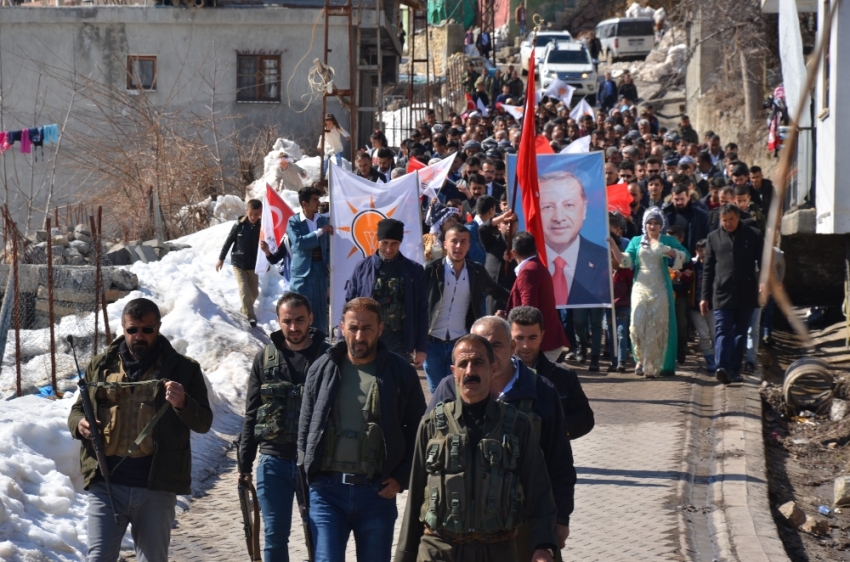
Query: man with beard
[396, 283]
[272, 407]
[140, 374]
[361, 407]
[473, 454]
[536, 397]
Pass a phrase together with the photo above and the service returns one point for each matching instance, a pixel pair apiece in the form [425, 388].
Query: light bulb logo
[364, 228]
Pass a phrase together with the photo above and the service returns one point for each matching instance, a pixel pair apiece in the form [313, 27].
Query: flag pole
[538, 22]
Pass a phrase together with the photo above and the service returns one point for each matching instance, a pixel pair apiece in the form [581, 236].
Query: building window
[141, 72]
[258, 78]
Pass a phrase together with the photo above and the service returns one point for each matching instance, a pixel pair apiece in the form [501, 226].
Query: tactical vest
[389, 293]
[277, 418]
[472, 491]
[526, 406]
[125, 409]
[370, 438]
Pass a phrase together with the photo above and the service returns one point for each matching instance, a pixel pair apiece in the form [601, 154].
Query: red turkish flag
[619, 198]
[415, 164]
[542, 145]
[527, 169]
[280, 213]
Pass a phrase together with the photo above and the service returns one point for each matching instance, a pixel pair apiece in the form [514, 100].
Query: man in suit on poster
[580, 269]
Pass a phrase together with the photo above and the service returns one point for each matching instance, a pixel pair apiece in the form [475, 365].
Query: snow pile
[42, 503]
[227, 208]
[638, 11]
[667, 60]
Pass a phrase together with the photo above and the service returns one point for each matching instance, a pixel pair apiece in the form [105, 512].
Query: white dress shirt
[450, 322]
[312, 225]
[522, 263]
[570, 255]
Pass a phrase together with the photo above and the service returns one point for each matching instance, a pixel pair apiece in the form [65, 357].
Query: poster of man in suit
[574, 213]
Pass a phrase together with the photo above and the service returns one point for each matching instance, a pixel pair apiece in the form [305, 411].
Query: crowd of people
[335, 407]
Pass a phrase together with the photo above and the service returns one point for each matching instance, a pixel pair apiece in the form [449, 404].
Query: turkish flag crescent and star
[276, 213]
[527, 169]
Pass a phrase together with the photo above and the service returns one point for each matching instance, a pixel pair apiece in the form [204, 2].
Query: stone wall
[443, 41]
[73, 290]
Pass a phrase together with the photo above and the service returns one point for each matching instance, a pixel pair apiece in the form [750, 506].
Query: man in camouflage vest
[478, 472]
[272, 408]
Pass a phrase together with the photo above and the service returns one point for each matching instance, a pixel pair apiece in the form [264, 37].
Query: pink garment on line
[4, 142]
[26, 145]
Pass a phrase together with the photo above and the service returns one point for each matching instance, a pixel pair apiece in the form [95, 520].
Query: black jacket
[556, 448]
[247, 443]
[730, 278]
[714, 218]
[362, 284]
[480, 283]
[245, 238]
[402, 406]
[698, 225]
[577, 412]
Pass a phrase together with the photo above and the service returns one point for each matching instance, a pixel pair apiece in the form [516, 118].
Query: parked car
[570, 61]
[543, 39]
[625, 37]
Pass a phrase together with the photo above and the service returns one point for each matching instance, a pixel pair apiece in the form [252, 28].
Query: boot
[594, 363]
[709, 361]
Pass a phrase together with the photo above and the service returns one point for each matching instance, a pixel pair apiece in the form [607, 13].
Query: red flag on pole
[543, 146]
[619, 198]
[470, 103]
[527, 168]
[415, 164]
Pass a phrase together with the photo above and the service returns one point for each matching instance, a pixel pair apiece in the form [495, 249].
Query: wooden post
[97, 289]
[50, 313]
[17, 308]
[98, 240]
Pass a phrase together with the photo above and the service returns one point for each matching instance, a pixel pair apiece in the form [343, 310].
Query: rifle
[96, 436]
[304, 508]
[250, 519]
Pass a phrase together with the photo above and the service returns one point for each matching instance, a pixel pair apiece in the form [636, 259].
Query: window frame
[260, 84]
[131, 85]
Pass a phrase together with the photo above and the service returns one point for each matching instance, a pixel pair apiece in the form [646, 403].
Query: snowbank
[42, 504]
[666, 61]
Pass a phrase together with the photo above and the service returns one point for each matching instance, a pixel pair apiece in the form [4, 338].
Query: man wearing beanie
[397, 283]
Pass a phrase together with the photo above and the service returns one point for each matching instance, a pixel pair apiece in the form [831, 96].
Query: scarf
[648, 215]
[135, 368]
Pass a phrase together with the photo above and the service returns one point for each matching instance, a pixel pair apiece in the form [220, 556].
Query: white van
[625, 37]
[570, 62]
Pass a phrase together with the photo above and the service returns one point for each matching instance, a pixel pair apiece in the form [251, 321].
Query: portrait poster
[574, 212]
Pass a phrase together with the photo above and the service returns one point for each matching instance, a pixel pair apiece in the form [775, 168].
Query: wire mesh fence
[53, 286]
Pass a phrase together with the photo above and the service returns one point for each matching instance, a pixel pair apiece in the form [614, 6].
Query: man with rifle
[272, 408]
[147, 399]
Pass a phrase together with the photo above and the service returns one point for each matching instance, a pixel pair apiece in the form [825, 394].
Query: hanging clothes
[26, 145]
[36, 136]
[13, 137]
[51, 134]
[4, 143]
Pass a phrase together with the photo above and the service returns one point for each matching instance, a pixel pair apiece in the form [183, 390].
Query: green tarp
[462, 11]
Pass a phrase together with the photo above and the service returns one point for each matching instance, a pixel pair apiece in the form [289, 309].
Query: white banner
[581, 108]
[432, 177]
[357, 205]
[560, 90]
[578, 146]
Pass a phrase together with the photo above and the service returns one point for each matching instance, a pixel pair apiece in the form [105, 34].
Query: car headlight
[584, 75]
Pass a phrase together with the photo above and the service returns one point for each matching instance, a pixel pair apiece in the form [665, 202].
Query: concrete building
[249, 66]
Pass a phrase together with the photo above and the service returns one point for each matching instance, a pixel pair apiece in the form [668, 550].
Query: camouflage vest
[472, 491]
[125, 409]
[277, 418]
[370, 461]
[389, 293]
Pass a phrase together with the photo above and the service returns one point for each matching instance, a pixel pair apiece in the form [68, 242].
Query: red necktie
[559, 281]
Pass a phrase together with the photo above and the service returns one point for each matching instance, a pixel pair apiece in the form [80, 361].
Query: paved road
[628, 472]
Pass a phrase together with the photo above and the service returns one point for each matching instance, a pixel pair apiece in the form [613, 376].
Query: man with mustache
[272, 407]
[140, 374]
[473, 454]
[356, 434]
[536, 397]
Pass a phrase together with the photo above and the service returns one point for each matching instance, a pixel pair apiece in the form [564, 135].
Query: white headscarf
[653, 213]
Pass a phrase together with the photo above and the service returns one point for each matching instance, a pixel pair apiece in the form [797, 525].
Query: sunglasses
[145, 329]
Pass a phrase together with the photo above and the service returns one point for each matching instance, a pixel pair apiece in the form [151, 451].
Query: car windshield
[568, 57]
[543, 40]
[640, 28]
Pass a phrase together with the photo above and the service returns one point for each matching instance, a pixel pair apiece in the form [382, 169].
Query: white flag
[560, 90]
[578, 146]
[482, 108]
[357, 205]
[432, 177]
[581, 108]
[515, 110]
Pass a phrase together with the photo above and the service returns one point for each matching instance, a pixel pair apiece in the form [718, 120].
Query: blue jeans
[150, 512]
[566, 315]
[438, 362]
[314, 286]
[277, 481]
[337, 157]
[731, 338]
[767, 318]
[337, 509]
[620, 354]
[522, 28]
[753, 336]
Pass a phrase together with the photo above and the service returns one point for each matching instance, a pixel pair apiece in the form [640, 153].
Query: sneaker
[749, 367]
[639, 370]
[612, 368]
[721, 376]
[621, 368]
[253, 323]
[735, 378]
[581, 356]
[570, 356]
[594, 363]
